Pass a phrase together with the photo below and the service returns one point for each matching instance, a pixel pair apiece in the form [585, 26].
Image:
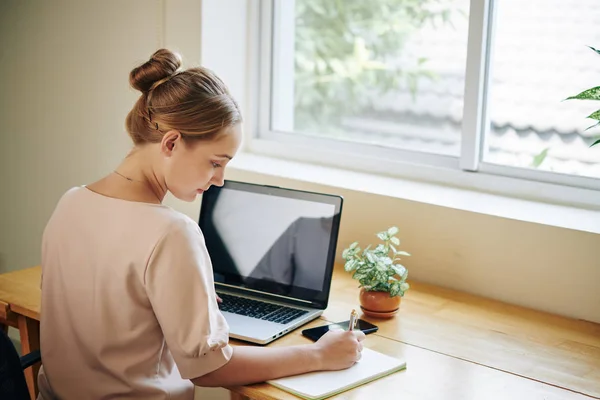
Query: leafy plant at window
[348, 51]
[378, 269]
[590, 94]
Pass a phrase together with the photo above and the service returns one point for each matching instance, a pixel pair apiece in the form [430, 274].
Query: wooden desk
[20, 293]
[457, 346]
[429, 375]
[556, 350]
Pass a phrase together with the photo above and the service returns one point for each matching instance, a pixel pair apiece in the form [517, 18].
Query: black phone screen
[315, 333]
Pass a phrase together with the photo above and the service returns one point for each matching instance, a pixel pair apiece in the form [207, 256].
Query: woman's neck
[134, 179]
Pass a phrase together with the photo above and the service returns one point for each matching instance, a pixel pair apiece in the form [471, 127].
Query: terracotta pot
[379, 304]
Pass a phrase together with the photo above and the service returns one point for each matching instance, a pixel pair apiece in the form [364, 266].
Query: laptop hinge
[268, 296]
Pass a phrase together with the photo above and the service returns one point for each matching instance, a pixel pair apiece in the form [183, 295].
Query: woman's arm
[335, 350]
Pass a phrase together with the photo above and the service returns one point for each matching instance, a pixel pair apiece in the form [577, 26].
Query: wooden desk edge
[35, 315]
[254, 392]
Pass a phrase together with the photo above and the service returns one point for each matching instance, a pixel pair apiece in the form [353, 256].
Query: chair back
[12, 379]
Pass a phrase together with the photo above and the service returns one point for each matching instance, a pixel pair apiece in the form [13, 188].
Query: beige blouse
[128, 302]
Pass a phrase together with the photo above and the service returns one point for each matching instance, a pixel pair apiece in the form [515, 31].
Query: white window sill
[457, 198]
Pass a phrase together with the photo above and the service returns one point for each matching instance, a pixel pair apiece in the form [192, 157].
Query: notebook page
[322, 384]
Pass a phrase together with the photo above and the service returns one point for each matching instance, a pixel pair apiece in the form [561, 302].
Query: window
[540, 58]
[370, 72]
[468, 85]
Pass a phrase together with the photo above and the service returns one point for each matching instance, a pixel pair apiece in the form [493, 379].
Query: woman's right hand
[339, 349]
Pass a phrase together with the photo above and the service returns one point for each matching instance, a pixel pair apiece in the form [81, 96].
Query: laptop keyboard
[259, 309]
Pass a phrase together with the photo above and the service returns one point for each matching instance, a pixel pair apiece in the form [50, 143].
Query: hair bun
[162, 64]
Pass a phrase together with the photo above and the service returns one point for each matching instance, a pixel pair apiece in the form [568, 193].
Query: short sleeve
[180, 287]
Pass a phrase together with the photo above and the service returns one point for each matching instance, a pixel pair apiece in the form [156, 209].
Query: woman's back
[100, 336]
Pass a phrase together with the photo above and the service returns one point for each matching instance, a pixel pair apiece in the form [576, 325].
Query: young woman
[129, 308]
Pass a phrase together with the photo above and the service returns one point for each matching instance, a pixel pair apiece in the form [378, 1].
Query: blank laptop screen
[273, 240]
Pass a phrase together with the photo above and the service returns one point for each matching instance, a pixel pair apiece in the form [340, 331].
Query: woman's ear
[170, 140]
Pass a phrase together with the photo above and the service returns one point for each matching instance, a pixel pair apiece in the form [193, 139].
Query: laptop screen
[271, 240]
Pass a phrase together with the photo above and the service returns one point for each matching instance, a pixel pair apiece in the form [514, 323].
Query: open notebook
[323, 384]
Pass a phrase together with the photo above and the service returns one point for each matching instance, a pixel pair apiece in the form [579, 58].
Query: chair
[12, 379]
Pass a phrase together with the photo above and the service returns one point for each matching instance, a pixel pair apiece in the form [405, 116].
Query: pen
[352, 323]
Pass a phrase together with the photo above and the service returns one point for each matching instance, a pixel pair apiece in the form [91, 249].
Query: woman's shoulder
[69, 197]
[74, 191]
[180, 224]
[83, 200]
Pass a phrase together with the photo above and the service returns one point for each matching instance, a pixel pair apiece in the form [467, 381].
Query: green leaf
[395, 290]
[350, 265]
[590, 94]
[395, 240]
[399, 269]
[383, 235]
[393, 249]
[539, 159]
[392, 231]
[595, 143]
[597, 51]
[403, 253]
[358, 275]
[595, 115]
[353, 245]
[590, 127]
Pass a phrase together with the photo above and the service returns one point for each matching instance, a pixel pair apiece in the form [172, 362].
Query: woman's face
[191, 168]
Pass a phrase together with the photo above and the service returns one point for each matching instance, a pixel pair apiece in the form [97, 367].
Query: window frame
[265, 17]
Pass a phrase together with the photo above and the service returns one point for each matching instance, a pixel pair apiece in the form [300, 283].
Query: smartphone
[315, 333]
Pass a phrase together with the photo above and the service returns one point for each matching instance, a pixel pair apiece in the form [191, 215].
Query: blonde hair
[194, 102]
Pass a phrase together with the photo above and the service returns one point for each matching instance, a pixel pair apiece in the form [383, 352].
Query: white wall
[64, 96]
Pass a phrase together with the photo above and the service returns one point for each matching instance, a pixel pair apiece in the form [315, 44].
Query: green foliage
[378, 269]
[539, 159]
[590, 94]
[347, 53]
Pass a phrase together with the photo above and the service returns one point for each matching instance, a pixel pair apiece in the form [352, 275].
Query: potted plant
[382, 279]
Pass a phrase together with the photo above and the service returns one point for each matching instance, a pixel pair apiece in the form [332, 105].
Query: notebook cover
[323, 384]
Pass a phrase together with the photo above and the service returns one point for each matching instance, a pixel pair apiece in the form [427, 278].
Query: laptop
[273, 252]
